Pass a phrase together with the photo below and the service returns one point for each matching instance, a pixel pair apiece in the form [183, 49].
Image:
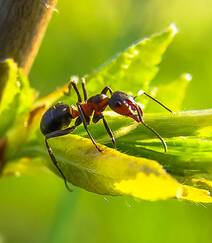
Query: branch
[22, 27]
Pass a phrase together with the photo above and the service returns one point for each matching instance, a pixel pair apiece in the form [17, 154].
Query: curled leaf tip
[187, 77]
[195, 194]
[173, 28]
[74, 78]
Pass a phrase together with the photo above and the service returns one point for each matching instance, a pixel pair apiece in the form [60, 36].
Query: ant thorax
[98, 103]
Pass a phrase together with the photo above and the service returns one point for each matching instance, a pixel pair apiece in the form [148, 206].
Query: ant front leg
[106, 89]
[83, 119]
[58, 133]
[73, 84]
[84, 89]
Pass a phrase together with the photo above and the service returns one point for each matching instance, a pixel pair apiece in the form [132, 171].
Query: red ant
[56, 120]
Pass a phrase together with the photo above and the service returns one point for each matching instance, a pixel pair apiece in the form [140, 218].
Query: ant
[56, 120]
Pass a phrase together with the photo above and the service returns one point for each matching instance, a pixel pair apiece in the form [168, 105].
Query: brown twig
[22, 26]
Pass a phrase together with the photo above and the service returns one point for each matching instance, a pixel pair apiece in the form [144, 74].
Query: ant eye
[65, 109]
[118, 103]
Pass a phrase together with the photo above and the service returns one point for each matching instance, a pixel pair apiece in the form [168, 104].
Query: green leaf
[187, 123]
[16, 96]
[27, 94]
[189, 149]
[134, 68]
[166, 92]
[10, 88]
[24, 165]
[130, 71]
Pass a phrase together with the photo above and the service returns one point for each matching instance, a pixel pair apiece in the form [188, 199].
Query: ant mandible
[56, 120]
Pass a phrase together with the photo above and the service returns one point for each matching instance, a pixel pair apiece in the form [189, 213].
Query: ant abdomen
[55, 118]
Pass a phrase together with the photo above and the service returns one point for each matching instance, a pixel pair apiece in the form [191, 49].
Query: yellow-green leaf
[115, 173]
[10, 88]
[166, 92]
[134, 68]
[16, 95]
[111, 172]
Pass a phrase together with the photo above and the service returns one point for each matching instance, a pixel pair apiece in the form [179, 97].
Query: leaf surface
[135, 67]
[10, 89]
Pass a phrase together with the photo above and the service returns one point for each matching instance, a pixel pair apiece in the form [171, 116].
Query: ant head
[125, 105]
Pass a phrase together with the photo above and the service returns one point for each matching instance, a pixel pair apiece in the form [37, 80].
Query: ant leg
[83, 119]
[96, 118]
[104, 91]
[58, 134]
[73, 84]
[110, 132]
[84, 89]
[150, 128]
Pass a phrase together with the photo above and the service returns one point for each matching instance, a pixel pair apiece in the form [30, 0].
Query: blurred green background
[81, 36]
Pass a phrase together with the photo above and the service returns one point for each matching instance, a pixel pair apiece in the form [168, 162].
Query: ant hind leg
[73, 84]
[58, 133]
[84, 89]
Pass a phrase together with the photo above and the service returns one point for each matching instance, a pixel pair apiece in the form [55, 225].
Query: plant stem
[2, 150]
[22, 27]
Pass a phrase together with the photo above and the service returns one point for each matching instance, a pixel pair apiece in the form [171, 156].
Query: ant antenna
[151, 129]
[157, 134]
[140, 92]
[157, 101]
[56, 165]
